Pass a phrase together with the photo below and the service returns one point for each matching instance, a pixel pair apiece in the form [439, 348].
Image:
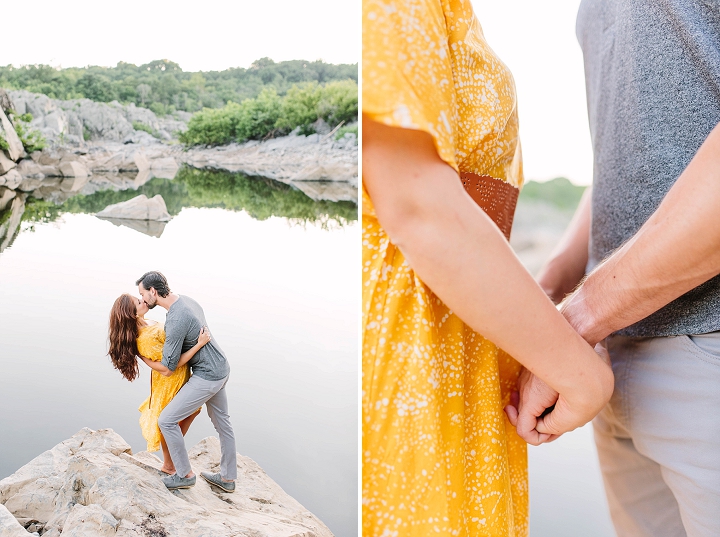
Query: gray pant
[192, 396]
[658, 439]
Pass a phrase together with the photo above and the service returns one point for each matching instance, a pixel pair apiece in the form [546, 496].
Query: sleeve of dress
[407, 70]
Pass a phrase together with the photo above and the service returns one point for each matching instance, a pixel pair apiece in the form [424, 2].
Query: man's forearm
[676, 250]
[566, 266]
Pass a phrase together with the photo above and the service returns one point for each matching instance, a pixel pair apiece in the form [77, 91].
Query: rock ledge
[93, 485]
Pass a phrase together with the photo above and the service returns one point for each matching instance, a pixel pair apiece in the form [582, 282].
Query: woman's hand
[204, 336]
[540, 414]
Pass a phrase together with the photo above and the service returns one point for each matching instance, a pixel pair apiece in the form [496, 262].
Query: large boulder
[73, 169]
[15, 148]
[89, 521]
[11, 179]
[6, 196]
[5, 163]
[92, 485]
[165, 168]
[9, 526]
[138, 208]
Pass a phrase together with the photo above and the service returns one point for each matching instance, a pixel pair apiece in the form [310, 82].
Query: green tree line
[163, 87]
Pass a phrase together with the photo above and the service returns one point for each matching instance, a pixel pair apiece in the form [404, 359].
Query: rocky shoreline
[98, 146]
[92, 485]
[96, 132]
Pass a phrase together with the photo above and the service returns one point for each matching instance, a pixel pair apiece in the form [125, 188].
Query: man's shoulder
[187, 302]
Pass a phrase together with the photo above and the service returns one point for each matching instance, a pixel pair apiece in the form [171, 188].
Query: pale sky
[536, 40]
[200, 36]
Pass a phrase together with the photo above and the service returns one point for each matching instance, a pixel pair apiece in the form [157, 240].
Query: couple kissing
[189, 369]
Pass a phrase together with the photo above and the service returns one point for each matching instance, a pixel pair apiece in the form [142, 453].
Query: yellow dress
[150, 343]
[438, 453]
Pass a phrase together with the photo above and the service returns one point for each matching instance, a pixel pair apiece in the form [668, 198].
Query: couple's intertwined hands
[540, 414]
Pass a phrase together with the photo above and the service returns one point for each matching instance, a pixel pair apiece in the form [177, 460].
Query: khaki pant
[658, 439]
[192, 396]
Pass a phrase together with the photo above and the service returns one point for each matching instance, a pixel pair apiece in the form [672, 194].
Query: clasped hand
[540, 414]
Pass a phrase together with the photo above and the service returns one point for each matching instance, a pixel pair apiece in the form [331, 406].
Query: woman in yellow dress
[133, 336]
[443, 292]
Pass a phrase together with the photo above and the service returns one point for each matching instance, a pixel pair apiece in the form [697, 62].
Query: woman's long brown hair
[123, 337]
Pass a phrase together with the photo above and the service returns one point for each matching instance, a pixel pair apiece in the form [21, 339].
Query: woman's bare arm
[203, 338]
[157, 366]
[463, 257]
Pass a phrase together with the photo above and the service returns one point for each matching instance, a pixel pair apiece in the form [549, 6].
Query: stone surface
[70, 122]
[5, 163]
[89, 521]
[30, 169]
[6, 196]
[151, 228]
[9, 526]
[138, 208]
[6, 103]
[9, 228]
[16, 150]
[92, 484]
[73, 169]
[11, 179]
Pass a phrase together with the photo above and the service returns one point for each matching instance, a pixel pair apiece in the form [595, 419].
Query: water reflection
[260, 197]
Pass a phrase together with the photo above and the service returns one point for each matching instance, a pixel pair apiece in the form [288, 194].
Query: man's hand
[528, 404]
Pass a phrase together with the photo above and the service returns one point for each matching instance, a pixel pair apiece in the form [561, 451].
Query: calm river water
[276, 274]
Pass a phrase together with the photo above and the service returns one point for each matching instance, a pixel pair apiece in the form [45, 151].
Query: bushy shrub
[339, 102]
[138, 126]
[32, 140]
[269, 114]
[212, 126]
[258, 117]
[300, 108]
[158, 109]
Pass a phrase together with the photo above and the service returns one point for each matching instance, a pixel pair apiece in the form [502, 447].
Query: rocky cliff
[92, 485]
[102, 130]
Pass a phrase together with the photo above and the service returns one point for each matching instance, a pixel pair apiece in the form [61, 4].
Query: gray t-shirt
[183, 322]
[652, 73]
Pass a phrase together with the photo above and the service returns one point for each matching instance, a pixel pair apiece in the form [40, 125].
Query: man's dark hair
[154, 279]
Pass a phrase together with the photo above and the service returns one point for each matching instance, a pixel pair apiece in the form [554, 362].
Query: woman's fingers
[561, 420]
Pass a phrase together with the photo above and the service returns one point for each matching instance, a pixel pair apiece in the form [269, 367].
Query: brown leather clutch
[494, 196]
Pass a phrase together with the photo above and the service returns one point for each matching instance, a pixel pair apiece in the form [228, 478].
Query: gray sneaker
[175, 482]
[215, 479]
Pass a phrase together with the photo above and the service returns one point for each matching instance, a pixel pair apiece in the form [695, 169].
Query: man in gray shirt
[210, 371]
[649, 235]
